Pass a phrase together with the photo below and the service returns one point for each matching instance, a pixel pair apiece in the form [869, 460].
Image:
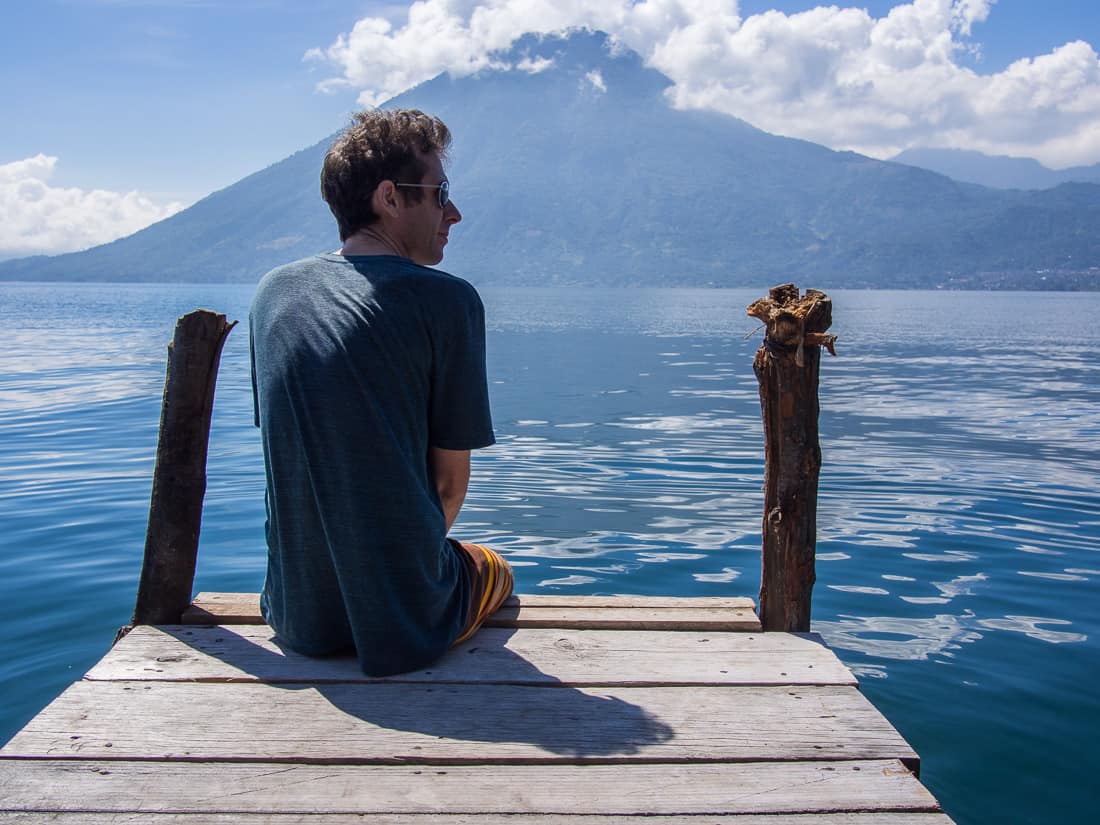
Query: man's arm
[451, 471]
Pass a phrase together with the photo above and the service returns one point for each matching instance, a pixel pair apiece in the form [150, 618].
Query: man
[368, 374]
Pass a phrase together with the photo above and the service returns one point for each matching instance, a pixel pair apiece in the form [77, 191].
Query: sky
[117, 113]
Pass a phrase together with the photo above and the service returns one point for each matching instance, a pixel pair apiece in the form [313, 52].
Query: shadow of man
[479, 692]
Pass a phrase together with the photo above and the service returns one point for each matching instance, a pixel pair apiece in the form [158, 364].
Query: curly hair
[378, 145]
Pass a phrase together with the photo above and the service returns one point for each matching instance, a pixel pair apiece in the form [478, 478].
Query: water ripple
[958, 511]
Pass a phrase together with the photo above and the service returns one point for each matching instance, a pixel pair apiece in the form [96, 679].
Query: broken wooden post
[786, 366]
[179, 476]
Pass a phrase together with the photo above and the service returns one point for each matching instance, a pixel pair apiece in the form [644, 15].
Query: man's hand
[451, 471]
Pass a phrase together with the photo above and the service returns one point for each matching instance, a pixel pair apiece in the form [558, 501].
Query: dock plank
[619, 790]
[568, 600]
[250, 602]
[628, 618]
[598, 718]
[456, 724]
[499, 655]
[607, 612]
[130, 817]
[224, 608]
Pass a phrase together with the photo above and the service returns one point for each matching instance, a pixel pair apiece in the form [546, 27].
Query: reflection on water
[1029, 626]
[895, 637]
[959, 518]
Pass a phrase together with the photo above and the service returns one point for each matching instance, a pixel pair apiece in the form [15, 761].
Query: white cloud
[535, 66]
[595, 78]
[832, 75]
[38, 218]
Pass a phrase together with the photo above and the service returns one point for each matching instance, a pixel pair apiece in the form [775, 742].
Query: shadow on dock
[531, 707]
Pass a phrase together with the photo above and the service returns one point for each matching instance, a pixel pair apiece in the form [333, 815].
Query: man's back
[360, 365]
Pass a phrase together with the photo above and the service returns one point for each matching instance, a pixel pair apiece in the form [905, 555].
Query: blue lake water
[959, 517]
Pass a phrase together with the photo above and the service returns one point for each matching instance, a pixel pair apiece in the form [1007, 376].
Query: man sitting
[368, 372]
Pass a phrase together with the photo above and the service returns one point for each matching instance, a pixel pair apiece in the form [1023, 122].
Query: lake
[958, 524]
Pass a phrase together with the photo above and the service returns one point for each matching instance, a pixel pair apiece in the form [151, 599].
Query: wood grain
[378, 723]
[565, 600]
[608, 612]
[132, 817]
[185, 724]
[522, 656]
[627, 618]
[622, 790]
[179, 474]
[787, 368]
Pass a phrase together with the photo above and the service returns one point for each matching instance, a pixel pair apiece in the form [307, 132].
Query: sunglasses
[444, 190]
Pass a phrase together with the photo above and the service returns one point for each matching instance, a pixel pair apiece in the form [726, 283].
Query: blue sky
[118, 112]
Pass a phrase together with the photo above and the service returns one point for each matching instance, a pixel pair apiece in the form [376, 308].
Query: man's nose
[451, 213]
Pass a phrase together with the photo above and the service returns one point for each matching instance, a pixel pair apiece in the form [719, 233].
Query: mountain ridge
[995, 171]
[583, 174]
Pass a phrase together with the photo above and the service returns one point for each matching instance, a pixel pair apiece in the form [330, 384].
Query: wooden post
[179, 477]
[786, 366]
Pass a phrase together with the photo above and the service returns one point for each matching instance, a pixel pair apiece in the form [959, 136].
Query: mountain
[235, 234]
[997, 171]
[583, 174]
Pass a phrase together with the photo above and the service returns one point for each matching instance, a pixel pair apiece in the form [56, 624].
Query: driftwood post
[179, 476]
[786, 366]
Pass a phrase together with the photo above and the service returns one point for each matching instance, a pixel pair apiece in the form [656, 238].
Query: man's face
[424, 226]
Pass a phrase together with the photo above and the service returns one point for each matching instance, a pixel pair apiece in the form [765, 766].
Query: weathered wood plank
[456, 724]
[566, 600]
[525, 656]
[215, 598]
[224, 608]
[130, 817]
[623, 790]
[628, 618]
[540, 611]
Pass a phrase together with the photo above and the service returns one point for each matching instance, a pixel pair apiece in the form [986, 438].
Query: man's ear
[385, 199]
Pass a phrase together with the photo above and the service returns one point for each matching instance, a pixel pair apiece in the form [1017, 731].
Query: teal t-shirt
[359, 365]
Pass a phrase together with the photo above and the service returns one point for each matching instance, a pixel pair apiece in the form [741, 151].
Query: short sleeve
[458, 415]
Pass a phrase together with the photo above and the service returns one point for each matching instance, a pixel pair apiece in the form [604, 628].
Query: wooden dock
[583, 710]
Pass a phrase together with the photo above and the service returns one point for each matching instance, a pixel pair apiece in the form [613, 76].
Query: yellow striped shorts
[491, 582]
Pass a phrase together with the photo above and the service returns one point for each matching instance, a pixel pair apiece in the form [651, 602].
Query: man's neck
[372, 240]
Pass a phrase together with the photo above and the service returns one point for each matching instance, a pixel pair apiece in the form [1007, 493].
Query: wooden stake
[787, 366]
[179, 477]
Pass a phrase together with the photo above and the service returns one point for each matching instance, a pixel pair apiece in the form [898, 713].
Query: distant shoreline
[1052, 281]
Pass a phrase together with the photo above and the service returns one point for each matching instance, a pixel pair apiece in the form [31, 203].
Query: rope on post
[179, 476]
[787, 368]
